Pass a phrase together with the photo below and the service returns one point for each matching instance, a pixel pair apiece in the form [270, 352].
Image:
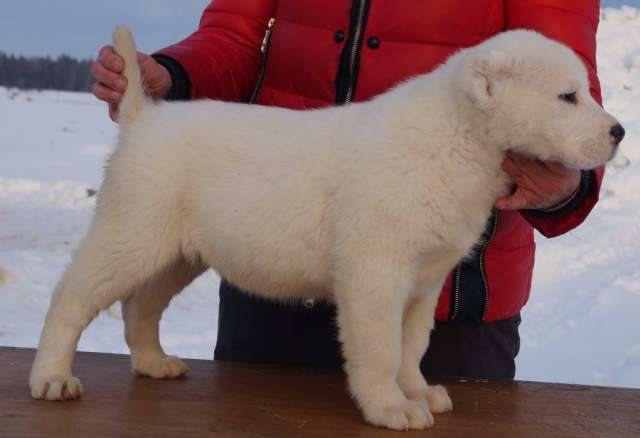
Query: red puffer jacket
[320, 55]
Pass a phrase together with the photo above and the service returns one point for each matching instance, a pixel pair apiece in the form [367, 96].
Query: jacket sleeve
[222, 58]
[573, 23]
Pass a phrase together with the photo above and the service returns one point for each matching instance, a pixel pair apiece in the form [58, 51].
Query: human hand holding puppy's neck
[538, 184]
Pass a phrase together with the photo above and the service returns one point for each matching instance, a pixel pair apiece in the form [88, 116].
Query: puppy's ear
[486, 73]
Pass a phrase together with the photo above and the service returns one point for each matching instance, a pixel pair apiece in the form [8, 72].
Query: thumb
[148, 67]
[143, 61]
[516, 201]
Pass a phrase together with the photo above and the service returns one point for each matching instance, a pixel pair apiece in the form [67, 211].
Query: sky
[80, 27]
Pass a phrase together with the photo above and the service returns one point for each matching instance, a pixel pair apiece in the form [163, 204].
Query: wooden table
[222, 399]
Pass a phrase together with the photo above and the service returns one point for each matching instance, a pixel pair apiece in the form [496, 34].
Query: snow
[581, 325]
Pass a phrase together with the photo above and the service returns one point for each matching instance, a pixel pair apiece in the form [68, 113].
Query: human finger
[105, 93]
[110, 59]
[108, 78]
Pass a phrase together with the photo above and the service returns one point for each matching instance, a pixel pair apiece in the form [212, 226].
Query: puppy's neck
[431, 111]
[429, 115]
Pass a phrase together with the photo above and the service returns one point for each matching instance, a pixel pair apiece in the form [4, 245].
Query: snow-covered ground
[582, 324]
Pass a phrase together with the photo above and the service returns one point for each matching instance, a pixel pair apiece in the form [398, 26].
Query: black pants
[255, 330]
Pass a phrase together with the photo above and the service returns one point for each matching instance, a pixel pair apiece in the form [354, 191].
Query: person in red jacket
[315, 55]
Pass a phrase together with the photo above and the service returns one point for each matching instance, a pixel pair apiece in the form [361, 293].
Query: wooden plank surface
[222, 399]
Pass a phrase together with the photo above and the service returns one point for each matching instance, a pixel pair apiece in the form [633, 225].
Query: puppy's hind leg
[142, 312]
[120, 252]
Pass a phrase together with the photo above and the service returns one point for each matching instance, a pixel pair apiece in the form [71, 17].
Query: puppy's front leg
[370, 306]
[416, 328]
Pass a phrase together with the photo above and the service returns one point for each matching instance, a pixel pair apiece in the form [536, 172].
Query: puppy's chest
[474, 209]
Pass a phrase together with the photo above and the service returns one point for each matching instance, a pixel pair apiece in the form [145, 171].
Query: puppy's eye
[569, 98]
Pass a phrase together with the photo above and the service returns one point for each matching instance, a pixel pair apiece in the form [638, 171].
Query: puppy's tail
[134, 99]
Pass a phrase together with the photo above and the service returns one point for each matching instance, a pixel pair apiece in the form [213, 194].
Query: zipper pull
[263, 49]
[267, 35]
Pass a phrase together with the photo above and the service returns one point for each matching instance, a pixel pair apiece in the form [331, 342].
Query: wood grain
[234, 400]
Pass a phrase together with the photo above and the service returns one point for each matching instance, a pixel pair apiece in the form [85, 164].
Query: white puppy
[369, 205]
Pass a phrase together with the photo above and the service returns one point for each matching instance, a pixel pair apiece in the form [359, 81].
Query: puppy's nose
[617, 132]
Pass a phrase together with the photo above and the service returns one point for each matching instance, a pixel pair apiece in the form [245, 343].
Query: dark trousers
[254, 330]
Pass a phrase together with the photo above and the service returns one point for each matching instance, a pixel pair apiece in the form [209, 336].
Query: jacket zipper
[354, 49]
[458, 273]
[494, 227]
[456, 292]
[350, 57]
[265, 53]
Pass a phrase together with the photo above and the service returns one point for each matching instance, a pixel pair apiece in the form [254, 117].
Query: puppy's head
[532, 95]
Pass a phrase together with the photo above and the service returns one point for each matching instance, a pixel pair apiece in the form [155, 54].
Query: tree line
[42, 73]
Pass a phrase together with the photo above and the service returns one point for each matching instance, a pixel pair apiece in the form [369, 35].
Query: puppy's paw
[438, 399]
[159, 367]
[410, 414]
[435, 395]
[55, 387]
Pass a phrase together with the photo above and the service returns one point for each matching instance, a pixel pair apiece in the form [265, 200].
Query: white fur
[369, 205]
